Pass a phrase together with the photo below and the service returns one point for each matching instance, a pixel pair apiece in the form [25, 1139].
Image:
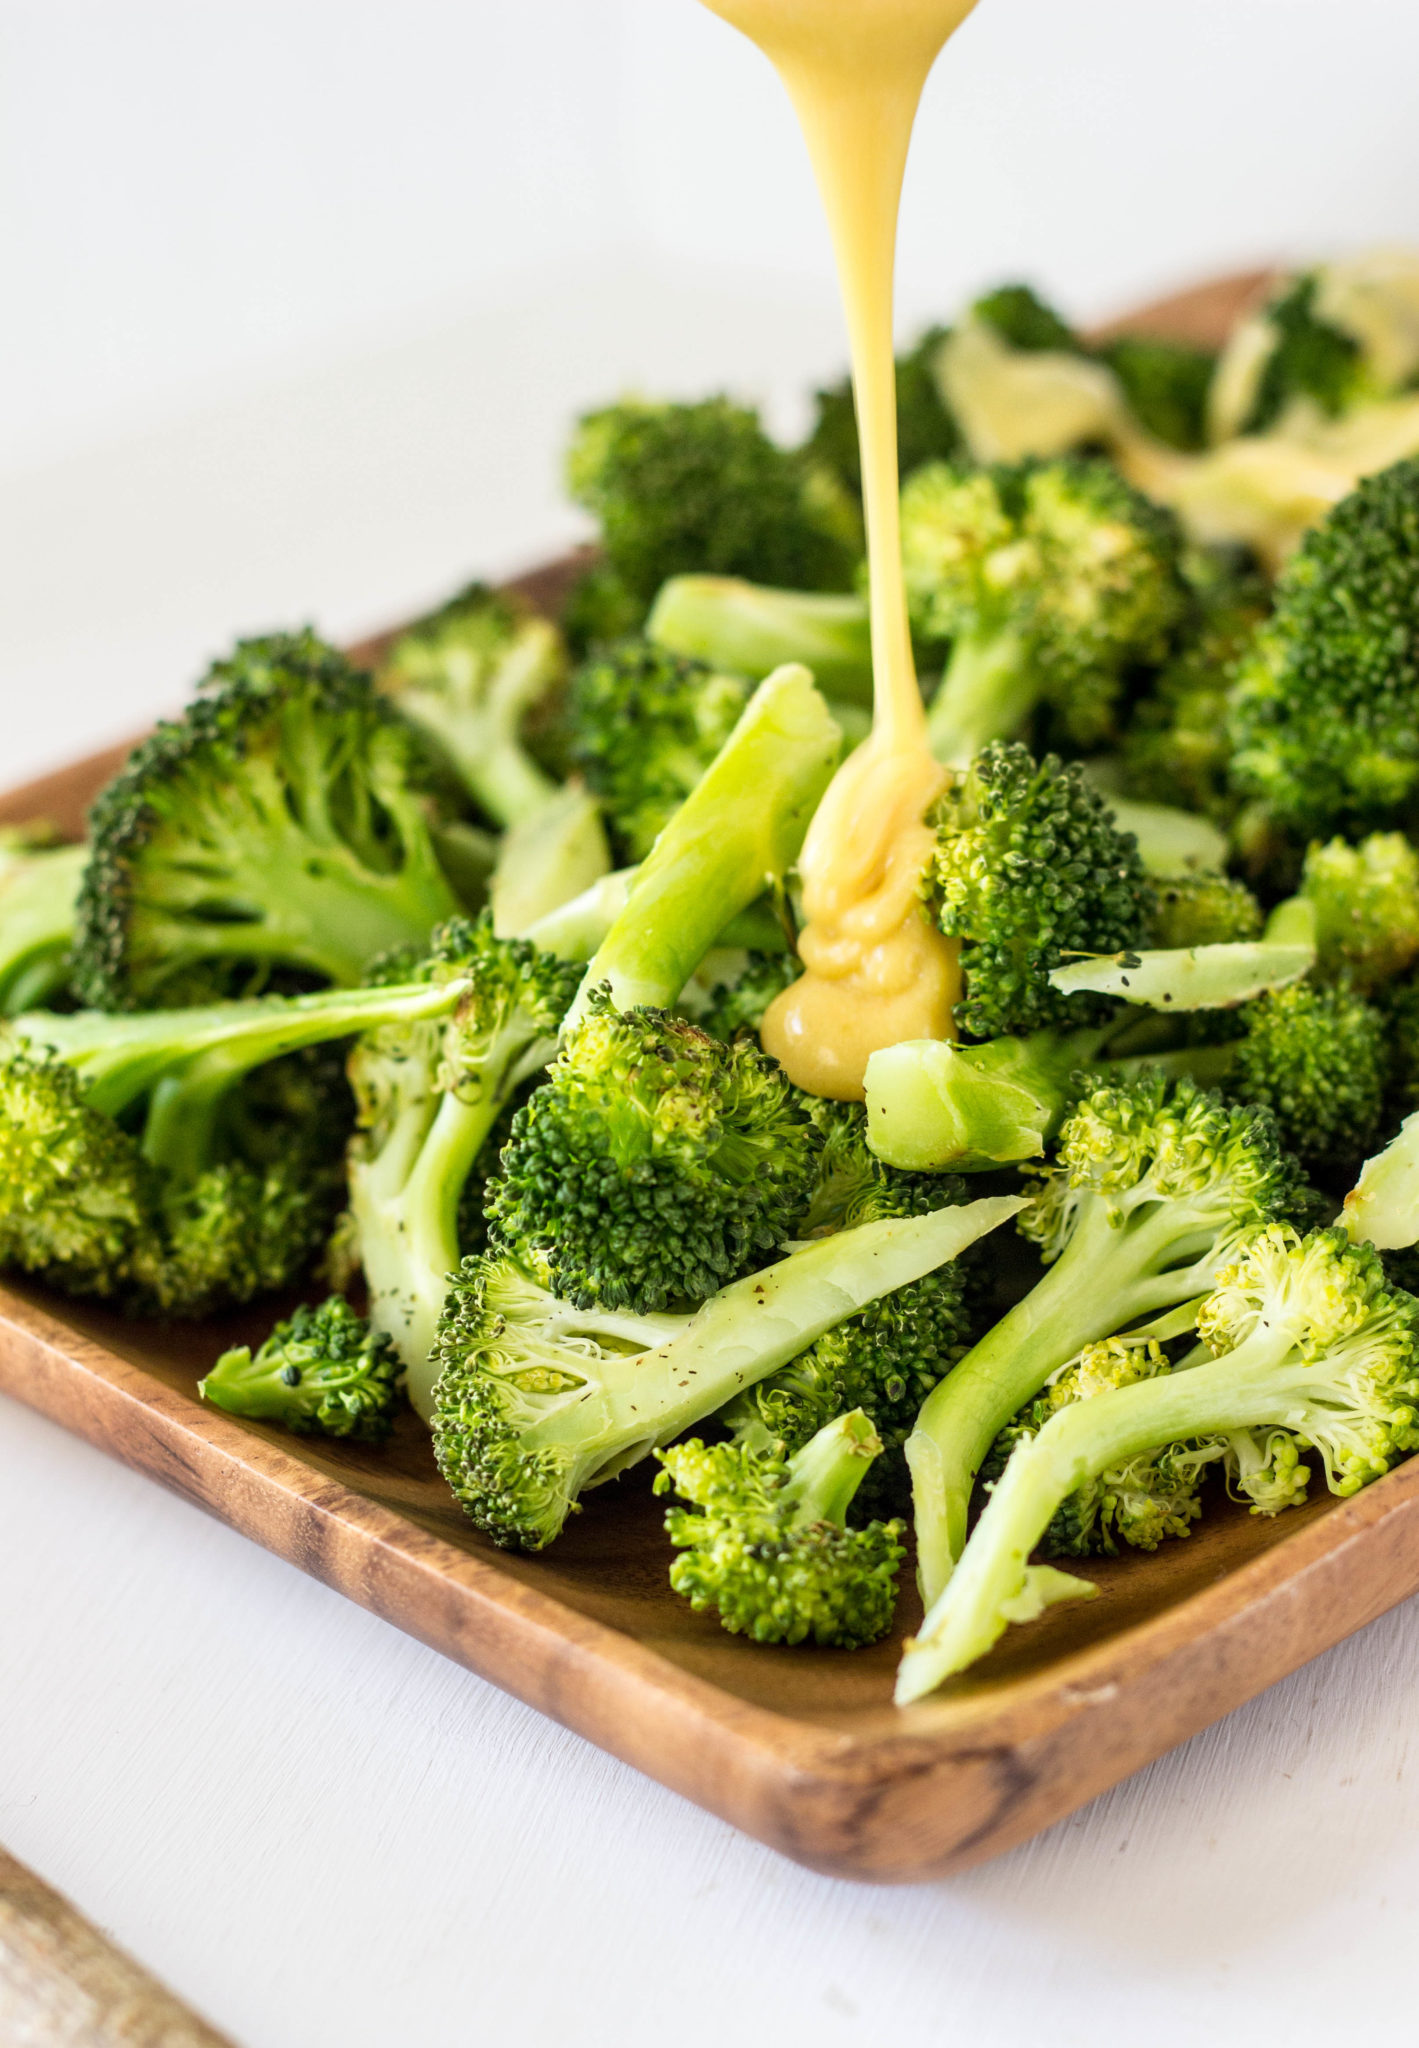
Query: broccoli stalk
[536, 1400]
[751, 631]
[39, 885]
[547, 861]
[428, 1094]
[1050, 580]
[467, 677]
[1212, 977]
[769, 1551]
[733, 837]
[279, 825]
[1308, 1339]
[322, 1372]
[1153, 1183]
[1382, 1208]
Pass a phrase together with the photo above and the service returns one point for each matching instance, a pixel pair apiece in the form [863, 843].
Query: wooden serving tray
[802, 1748]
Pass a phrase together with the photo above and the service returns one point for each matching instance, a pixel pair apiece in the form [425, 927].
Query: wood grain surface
[801, 1748]
[64, 1985]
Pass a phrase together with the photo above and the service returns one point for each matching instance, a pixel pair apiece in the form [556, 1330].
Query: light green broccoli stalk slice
[428, 1095]
[734, 837]
[537, 1400]
[1366, 901]
[643, 725]
[1382, 1208]
[321, 1372]
[750, 631]
[281, 825]
[654, 1164]
[468, 677]
[1153, 1183]
[1214, 977]
[1050, 580]
[39, 887]
[764, 1543]
[1308, 1338]
[547, 860]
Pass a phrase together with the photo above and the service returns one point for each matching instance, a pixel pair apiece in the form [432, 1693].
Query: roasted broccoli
[39, 882]
[1310, 1344]
[644, 725]
[1325, 712]
[144, 1164]
[428, 1095]
[1152, 1184]
[280, 826]
[468, 676]
[323, 1371]
[764, 1543]
[537, 1400]
[1050, 580]
[702, 487]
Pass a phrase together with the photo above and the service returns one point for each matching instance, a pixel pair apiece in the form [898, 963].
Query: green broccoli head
[279, 827]
[1051, 580]
[1309, 359]
[1325, 712]
[1165, 385]
[764, 1545]
[736, 1008]
[1020, 316]
[1176, 748]
[1317, 1058]
[1204, 910]
[1154, 1496]
[654, 1164]
[1366, 899]
[926, 432]
[321, 1372]
[644, 724]
[469, 677]
[1029, 867]
[702, 487]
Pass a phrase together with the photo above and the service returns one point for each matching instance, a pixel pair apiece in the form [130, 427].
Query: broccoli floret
[321, 1372]
[887, 1358]
[1366, 900]
[1176, 749]
[1204, 910]
[1021, 317]
[280, 825]
[765, 1545]
[644, 725]
[702, 487]
[1153, 1182]
[1309, 358]
[428, 1096]
[1165, 385]
[537, 1400]
[468, 677]
[736, 1008]
[1141, 1503]
[1309, 1342]
[1325, 712]
[1028, 868]
[926, 431]
[750, 631]
[599, 609]
[39, 883]
[144, 1167]
[1050, 579]
[654, 1164]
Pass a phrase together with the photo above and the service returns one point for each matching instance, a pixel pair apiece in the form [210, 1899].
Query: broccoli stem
[427, 1239]
[1254, 1386]
[988, 691]
[1214, 977]
[37, 896]
[823, 1477]
[1383, 1206]
[750, 631]
[574, 930]
[933, 1105]
[1109, 1275]
[734, 836]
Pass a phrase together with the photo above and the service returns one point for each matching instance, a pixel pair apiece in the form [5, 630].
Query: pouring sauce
[876, 970]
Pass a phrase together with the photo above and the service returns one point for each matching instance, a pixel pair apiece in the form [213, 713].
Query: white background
[296, 298]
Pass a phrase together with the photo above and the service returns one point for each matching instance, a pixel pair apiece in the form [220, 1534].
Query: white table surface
[318, 1831]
